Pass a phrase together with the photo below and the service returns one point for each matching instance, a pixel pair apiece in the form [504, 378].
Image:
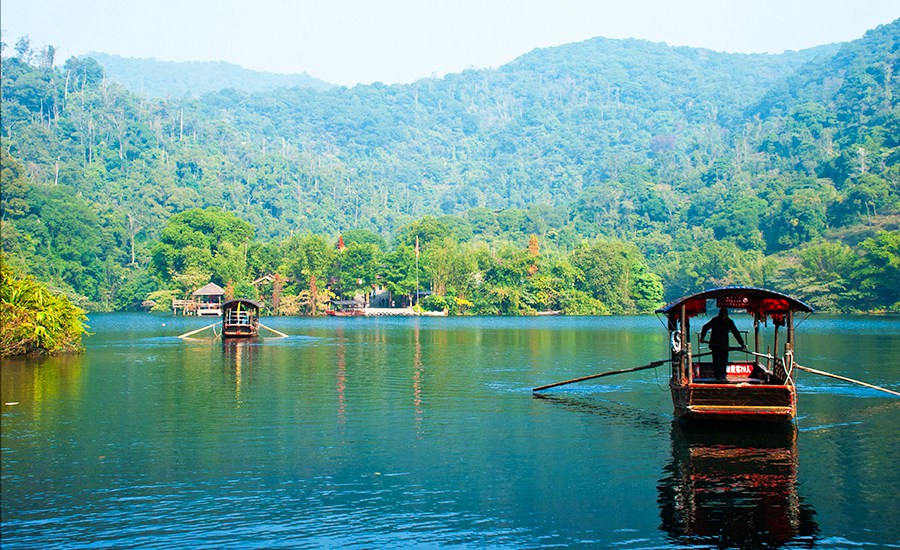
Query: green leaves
[35, 320]
[208, 241]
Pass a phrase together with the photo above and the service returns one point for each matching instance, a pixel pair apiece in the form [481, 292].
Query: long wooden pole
[607, 373]
[283, 335]
[186, 334]
[845, 379]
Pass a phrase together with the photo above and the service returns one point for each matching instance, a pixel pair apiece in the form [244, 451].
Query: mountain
[716, 166]
[832, 80]
[194, 78]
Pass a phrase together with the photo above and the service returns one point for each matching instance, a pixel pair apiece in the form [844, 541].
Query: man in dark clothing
[720, 326]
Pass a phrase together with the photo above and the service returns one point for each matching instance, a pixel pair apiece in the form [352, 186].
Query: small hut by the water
[209, 299]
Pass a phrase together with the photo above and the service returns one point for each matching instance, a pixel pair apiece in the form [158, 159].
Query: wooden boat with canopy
[346, 308]
[760, 385]
[240, 318]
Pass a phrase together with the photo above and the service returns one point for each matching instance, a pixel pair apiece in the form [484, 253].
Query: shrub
[35, 320]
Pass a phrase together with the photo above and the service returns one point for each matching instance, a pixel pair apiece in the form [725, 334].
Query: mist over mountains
[164, 79]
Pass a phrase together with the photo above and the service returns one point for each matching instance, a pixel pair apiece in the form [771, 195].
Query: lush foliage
[636, 166]
[35, 320]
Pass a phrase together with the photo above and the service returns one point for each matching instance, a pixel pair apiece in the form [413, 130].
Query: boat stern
[735, 402]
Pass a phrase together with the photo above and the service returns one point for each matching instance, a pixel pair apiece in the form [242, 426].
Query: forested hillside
[631, 164]
[195, 78]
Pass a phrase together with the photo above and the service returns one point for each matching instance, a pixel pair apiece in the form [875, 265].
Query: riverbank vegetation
[35, 320]
[599, 177]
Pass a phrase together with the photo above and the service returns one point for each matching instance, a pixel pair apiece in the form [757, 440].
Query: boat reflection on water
[239, 356]
[734, 489]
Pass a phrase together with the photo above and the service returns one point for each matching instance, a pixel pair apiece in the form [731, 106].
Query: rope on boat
[845, 379]
[789, 366]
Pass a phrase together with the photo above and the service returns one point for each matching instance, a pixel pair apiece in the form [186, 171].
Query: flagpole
[417, 270]
[341, 247]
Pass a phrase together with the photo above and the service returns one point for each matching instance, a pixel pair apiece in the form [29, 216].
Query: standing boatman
[719, 327]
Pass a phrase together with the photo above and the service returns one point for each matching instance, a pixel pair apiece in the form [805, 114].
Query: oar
[607, 373]
[283, 335]
[186, 334]
[845, 379]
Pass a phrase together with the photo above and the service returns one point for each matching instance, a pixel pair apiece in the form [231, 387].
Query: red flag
[341, 246]
[417, 246]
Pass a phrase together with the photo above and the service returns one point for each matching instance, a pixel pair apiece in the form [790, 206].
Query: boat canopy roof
[241, 303]
[759, 301]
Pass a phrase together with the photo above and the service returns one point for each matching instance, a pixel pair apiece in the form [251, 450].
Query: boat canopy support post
[789, 346]
[756, 333]
[686, 359]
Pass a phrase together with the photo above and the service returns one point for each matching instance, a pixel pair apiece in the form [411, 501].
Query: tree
[864, 196]
[364, 236]
[209, 240]
[308, 258]
[878, 270]
[359, 269]
[399, 273]
[615, 274]
[740, 222]
[449, 266]
[803, 216]
[822, 276]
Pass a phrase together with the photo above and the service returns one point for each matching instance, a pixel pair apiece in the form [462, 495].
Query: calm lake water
[424, 432]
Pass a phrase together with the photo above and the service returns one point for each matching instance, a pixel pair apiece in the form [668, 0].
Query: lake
[406, 432]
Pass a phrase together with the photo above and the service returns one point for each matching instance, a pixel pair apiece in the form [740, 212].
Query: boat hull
[239, 332]
[735, 402]
[350, 313]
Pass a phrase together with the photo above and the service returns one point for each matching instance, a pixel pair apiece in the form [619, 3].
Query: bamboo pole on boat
[845, 379]
[191, 333]
[283, 335]
[652, 365]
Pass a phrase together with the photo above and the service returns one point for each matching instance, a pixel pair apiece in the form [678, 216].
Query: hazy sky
[357, 41]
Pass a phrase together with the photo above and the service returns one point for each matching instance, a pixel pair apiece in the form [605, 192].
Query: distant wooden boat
[240, 318]
[346, 308]
[761, 386]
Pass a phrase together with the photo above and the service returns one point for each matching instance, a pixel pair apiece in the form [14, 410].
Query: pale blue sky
[349, 42]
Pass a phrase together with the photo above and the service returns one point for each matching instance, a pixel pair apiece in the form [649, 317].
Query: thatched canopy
[211, 289]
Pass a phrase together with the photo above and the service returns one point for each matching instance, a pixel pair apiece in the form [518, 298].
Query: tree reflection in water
[733, 487]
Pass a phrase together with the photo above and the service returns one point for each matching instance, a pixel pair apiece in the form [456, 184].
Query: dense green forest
[597, 177]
